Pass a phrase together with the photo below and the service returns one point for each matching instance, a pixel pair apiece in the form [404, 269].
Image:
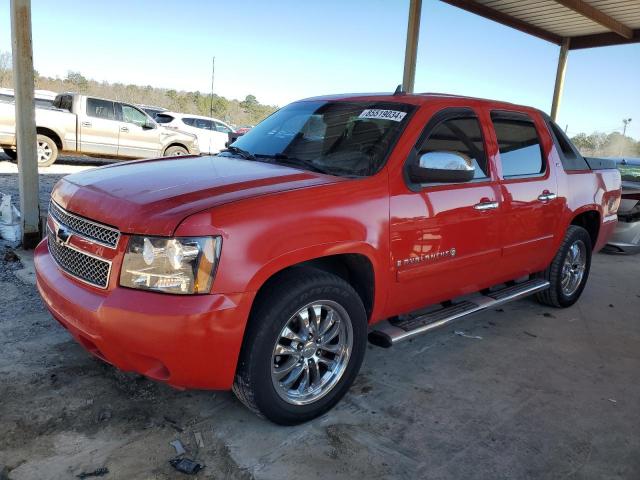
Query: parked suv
[265, 268]
[213, 134]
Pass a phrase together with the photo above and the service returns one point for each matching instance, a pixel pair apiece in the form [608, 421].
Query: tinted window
[200, 123]
[520, 151]
[164, 118]
[222, 128]
[133, 115]
[64, 102]
[100, 108]
[571, 159]
[6, 98]
[462, 135]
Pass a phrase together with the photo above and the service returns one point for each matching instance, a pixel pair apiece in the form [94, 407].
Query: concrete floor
[544, 393]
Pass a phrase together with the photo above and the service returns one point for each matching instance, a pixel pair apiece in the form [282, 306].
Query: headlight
[184, 265]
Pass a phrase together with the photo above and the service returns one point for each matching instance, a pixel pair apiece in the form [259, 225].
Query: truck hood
[154, 196]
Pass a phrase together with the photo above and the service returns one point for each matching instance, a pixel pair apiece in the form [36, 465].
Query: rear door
[532, 209]
[139, 134]
[98, 127]
[445, 238]
[203, 129]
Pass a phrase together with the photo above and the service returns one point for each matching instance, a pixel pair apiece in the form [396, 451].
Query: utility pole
[411, 48]
[626, 122]
[26, 139]
[213, 73]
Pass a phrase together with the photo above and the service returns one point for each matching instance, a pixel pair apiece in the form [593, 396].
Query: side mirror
[148, 125]
[442, 167]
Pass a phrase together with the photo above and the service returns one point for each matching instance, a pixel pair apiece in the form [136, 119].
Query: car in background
[244, 129]
[626, 237]
[213, 134]
[43, 98]
[151, 110]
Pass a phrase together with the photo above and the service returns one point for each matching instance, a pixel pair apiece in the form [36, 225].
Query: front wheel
[175, 151]
[569, 270]
[303, 347]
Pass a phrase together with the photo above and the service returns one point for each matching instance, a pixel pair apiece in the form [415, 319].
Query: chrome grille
[85, 267]
[95, 232]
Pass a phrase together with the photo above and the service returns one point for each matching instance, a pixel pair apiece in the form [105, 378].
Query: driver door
[445, 237]
[139, 134]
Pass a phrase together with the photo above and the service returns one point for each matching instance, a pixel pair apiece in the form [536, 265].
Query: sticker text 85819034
[380, 114]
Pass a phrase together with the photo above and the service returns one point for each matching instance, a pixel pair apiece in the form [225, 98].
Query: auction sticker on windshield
[394, 115]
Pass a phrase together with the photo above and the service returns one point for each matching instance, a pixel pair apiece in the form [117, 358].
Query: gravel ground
[541, 393]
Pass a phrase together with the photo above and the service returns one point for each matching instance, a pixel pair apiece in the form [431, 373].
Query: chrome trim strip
[89, 239]
[108, 262]
[388, 334]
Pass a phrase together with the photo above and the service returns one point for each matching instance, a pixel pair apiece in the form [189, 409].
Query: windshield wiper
[285, 159]
[239, 151]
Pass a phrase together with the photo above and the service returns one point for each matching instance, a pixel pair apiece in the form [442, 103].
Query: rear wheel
[11, 153]
[175, 151]
[303, 347]
[569, 270]
[47, 151]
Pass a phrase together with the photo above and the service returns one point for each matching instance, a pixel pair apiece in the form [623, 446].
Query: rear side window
[462, 135]
[100, 108]
[201, 123]
[569, 156]
[164, 118]
[64, 102]
[520, 150]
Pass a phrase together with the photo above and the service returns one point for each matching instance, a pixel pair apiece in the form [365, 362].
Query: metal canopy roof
[593, 23]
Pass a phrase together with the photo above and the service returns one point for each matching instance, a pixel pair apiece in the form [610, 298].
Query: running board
[390, 332]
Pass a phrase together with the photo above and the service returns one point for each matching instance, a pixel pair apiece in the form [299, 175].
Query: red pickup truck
[337, 219]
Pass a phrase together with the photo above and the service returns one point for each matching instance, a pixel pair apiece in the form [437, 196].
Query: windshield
[338, 138]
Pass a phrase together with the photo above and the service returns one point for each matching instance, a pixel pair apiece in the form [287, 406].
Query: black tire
[51, 150]
[175, 151]
[276, 305]
[11, 153]
[555, 295]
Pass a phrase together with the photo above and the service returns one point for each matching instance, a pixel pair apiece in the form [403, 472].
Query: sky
[283, 50]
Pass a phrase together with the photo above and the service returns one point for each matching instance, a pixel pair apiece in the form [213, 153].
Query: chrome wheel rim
[573, 268]
[312, 352]
[44, 152]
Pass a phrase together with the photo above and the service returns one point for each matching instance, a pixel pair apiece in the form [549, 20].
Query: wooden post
[562, 67]
[26, 139]
[411, 50]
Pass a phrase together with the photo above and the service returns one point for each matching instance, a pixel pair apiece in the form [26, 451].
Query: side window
[100, 109]
[520, 150]
[222, 128]
[189, 121]
[133, 115]
[571, 159]
[203, 124]
[462, 135]
[65, 102]
[164, 118]
[6, 98]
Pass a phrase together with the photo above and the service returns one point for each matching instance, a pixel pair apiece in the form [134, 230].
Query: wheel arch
[590, 220]
[52, 134]
[175, 144]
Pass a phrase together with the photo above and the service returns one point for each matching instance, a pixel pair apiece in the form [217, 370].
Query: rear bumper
[185, 341]
[626, 237]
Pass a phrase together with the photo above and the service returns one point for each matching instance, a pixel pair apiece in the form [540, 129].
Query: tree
[6, 70]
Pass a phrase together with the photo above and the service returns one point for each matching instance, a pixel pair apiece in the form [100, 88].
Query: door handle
[486, 205]
[546, 196]
[124, 129]
[86, 124]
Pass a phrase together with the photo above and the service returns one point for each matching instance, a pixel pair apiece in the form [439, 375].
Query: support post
[26, 140]
[411, 50]
[559, 86]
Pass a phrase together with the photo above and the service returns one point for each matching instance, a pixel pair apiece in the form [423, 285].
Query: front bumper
[185, 341]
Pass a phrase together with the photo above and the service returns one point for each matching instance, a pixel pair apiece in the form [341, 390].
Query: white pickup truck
[82, 124]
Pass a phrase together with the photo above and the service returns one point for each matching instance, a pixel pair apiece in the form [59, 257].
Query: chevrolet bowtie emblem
[63, 236]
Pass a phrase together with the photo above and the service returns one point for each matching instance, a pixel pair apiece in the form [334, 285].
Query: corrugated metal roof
[587, 23]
